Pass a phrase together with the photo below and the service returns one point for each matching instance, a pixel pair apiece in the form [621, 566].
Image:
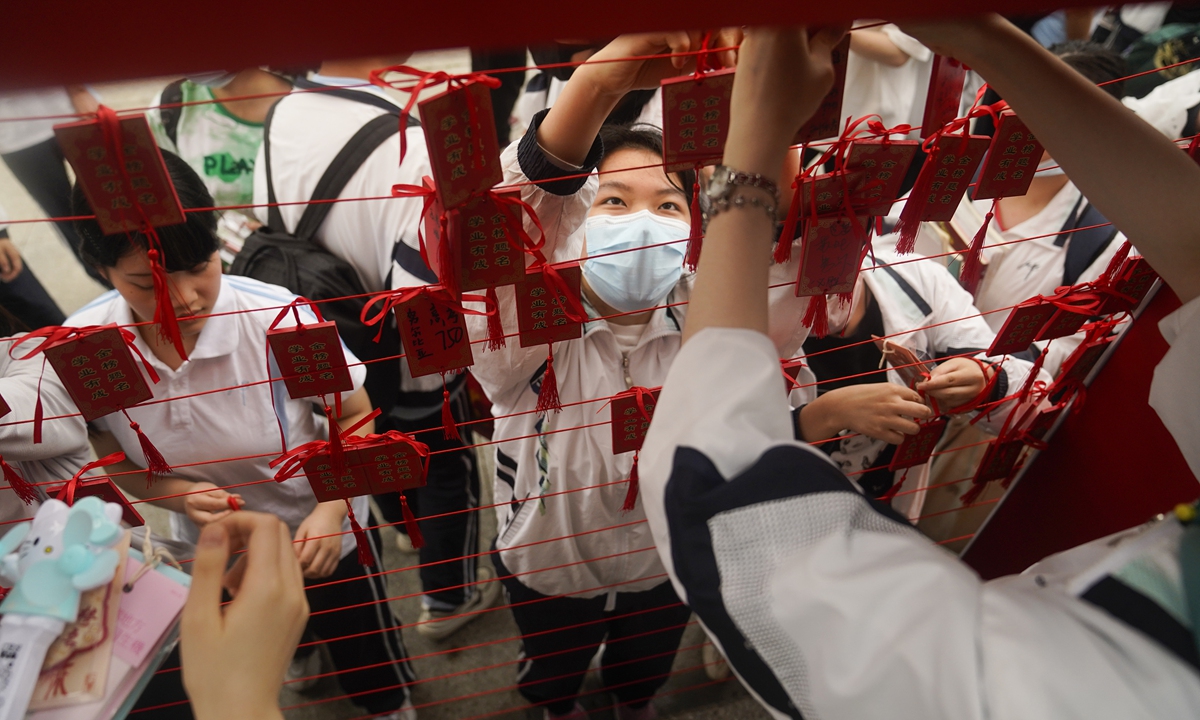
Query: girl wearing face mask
[579, 571]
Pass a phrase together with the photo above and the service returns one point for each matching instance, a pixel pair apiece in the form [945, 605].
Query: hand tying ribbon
[67, 492]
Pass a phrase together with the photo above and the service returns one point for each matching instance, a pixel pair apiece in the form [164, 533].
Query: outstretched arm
[1128, 170]
[788, 74]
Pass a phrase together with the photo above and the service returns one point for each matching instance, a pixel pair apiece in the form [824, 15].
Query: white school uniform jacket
[64, 447]
[830, 606]
[534, 459]
[927, 311]
[242, 422]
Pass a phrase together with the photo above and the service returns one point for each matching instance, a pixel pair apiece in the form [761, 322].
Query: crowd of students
[744, 513]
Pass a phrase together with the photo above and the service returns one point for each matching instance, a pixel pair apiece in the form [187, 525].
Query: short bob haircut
[184, 246]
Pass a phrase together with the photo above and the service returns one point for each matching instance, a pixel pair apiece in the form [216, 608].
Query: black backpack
[294, 261]
[1087, 244]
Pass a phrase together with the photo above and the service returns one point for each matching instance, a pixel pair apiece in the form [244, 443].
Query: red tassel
[337, 454]
[973, 493]
[20, 485]
[495, 329]
[890, 495]
[548, 395]
[164, 311]
[910, 216]
[1114, 265]
[816, 317]
[410, 524]
[365, 556]
[156, 465]
[449, 426]
[972, 267]
[783, 248]
[632, 492]
[697, 235]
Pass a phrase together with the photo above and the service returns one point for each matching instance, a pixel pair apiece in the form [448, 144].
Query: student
[64, 443]
[1017, 271]
[380, 240]
[575, 582]
[218, 409]
[219, 136]
[921, 307]
[828, 605]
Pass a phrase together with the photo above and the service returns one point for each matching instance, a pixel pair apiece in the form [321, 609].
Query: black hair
[648, 138]
[1096, 63]
[184, 246]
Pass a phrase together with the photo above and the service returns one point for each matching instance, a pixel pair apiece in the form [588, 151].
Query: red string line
[955, 539]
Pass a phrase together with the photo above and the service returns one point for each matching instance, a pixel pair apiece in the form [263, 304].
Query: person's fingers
[289, 565]
[250, 530]
[678, 42]
[204, 517]
[308, 549]
[202, 612]
[902, 425]
[911, 409]
[212, 500]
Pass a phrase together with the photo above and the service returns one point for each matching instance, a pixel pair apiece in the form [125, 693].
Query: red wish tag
[1062, 323]
[310, 359]
[945, 94]
[486, 240]
[916, 449]
[1077, 367]
[832, 255]
[1131, 286]
[99, 372]
[824, 194]
[4, 407]
[877, 168]
[96, 168]
[1040, 427]
[1011, 160]
[103, 488]
[998, 462]
[1022, 327]
[391, 462]
[327, 485]
[826, 122]
[695, 119]
[947, 173]
[433, 332]
[629, 422]
[542, 318]
[461, 136]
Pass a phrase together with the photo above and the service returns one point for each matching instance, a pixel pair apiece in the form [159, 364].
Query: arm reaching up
[1142, 182]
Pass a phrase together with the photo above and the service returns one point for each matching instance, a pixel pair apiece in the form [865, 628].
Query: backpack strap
[171, 95]
[1085, 245]
[343, 167]
[359, 96]
[347, 162]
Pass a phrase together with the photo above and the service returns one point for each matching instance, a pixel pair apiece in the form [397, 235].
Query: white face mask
[1049, 168]
[640, 278]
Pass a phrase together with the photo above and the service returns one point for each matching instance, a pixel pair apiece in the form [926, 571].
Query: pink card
[4, 407]
[629, 424]
[832, 253]
[542, 318]
[946, 174]
[916, 449]
[463, 150]
[99, 372]
[146, 613]
[1021, 327]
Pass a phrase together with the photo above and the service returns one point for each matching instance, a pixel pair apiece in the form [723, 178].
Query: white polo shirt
[307, 131]
[64, 447]
[236, 423]
[1021, 270]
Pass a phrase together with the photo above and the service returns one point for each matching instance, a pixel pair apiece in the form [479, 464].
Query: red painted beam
[48, 42]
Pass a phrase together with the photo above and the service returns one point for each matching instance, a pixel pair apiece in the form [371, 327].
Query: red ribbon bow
[67, 492]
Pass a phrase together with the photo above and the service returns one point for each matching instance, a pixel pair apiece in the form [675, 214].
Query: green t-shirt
[220, 147]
